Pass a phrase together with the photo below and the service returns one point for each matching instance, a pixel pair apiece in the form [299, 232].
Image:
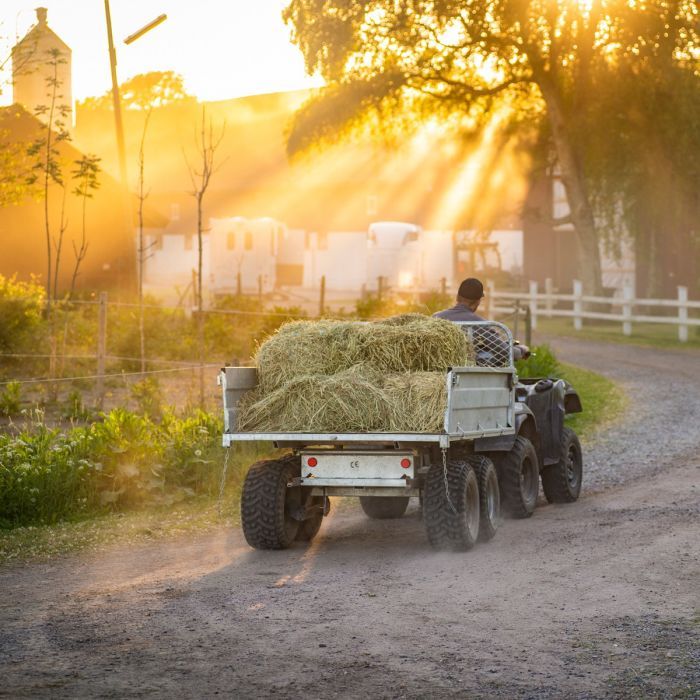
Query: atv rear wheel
[451, 515]
[519, 478]
[489, 496]
[561, 482]
[268, 505]
[384, 507]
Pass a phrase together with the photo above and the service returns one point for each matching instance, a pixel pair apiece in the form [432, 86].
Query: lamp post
[119, 125]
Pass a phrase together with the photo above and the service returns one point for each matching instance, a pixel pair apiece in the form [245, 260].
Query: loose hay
[345, 376]
[407, 343]
[346, 402]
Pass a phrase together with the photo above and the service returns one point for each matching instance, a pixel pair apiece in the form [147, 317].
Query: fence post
[443, 286]
[490, 301]
[101, 348]
[683, 314]
[322, 296]
[239, 284]
[380, 287]
[578, 305]
[260, 288]
[549, 290]
[532, 306]
[627, 297]
[528, 326]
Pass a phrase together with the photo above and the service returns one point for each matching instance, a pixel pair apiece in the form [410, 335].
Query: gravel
[663, 422]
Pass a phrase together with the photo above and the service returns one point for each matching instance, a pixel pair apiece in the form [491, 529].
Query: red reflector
[405, 463]
[312, 461]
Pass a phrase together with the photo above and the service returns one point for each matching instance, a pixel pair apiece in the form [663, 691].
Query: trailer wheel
[267, 504]
[384, 507]
[561, 482]
[489, 496]
[519, 478]
[308, 529]
[452, 523]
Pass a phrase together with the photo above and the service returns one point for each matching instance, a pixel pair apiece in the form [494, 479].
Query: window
[231, 240]
[248, 240]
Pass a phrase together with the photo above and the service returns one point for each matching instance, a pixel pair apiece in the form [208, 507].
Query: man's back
[459, 312]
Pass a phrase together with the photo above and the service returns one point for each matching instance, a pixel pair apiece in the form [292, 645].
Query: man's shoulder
[458, 312]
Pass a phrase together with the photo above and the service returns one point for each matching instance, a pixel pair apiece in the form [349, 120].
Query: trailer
[499, 437]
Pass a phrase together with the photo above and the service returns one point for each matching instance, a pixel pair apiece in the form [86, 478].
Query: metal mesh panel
[493, 342]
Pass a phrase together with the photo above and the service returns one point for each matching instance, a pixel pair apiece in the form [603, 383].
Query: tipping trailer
[499, 437]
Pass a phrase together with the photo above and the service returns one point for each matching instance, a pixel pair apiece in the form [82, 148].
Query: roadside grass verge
[646, 334]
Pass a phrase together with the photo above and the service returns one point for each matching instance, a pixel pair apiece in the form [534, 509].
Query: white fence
[547, 304]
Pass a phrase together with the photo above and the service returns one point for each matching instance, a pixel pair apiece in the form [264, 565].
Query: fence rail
[622, 309]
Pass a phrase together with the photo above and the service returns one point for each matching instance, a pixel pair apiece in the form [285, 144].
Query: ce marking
[355, 464]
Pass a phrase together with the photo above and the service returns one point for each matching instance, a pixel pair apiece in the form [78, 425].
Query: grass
[647, 334]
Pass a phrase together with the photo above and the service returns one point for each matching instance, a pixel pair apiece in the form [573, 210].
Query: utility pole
[116, 98]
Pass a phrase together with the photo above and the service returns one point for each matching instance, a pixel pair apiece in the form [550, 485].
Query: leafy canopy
[472, 55]
[145, 91]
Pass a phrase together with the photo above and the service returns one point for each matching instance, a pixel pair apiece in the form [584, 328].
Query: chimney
[41, 13]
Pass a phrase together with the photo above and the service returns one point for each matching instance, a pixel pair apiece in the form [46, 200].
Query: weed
[10, 399]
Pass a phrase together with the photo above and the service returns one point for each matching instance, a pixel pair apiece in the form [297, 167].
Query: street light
[146, 28]
[115, 85]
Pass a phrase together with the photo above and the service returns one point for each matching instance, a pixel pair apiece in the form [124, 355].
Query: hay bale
[303, 348]
[349, 401]
[348, 376]
[418, 400]
[407, 343]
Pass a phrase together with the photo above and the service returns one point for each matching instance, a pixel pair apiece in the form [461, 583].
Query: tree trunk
[576, 193]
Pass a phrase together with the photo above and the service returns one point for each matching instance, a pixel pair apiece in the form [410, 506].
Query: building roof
[40, 30]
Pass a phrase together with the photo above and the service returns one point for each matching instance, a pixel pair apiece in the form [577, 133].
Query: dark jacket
[459, 312]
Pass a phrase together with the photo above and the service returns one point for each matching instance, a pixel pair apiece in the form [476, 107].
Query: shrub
[21, 305]
[10, 399]
[123, 461]
[541, 363]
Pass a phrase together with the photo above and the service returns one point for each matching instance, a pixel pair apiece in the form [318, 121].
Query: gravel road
[597, 599]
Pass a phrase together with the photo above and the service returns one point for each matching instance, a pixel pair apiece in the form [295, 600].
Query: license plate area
[319, 468]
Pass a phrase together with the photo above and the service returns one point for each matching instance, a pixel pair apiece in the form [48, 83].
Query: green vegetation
[541, 363]
[603, 401]
[122, 461]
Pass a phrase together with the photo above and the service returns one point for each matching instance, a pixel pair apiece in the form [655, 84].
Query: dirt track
[595, 599]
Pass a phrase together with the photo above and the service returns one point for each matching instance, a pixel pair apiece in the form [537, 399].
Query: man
[469, 296]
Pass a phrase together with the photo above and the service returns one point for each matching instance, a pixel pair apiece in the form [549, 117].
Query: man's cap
[471, 289]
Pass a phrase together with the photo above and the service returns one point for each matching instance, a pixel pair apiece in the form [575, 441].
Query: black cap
[471, 289]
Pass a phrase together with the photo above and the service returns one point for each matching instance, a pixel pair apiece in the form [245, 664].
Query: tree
[207, 142]
[48, 168]
[145, 91]
[86, 175]
[531, 59]
[640, 140]
[142, 248]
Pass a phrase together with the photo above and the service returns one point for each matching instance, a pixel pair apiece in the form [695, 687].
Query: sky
[223, 48]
